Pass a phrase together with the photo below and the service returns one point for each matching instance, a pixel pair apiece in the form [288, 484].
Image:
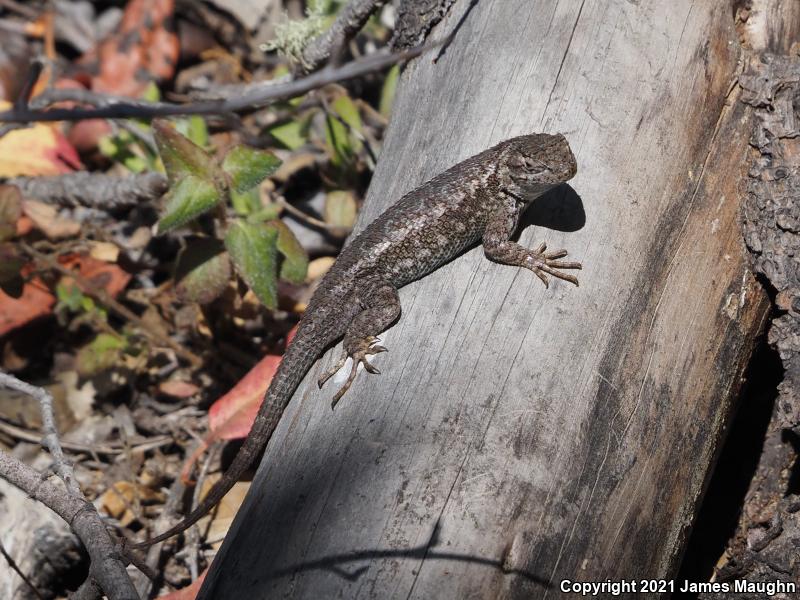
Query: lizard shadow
[561, 209]
[426, 551]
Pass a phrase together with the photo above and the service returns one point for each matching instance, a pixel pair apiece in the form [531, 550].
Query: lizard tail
[297, 361]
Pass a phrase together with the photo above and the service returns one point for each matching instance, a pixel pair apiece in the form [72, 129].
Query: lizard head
[537, 163]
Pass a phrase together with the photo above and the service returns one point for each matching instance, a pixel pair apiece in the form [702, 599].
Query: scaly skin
[479, 199]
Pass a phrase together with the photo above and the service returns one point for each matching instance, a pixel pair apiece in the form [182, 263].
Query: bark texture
[518, 436]
[764, 548]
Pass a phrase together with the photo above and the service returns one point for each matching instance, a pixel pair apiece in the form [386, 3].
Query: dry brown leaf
[105, 251]
[45, 218]
[117, 500]
[225, 512]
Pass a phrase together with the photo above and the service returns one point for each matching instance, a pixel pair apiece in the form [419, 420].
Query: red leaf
[36, 301]
[103, 275]
[232, 415]
[189, 592]
[141, 50]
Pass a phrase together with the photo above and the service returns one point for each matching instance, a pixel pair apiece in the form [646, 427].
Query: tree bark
[519, 436]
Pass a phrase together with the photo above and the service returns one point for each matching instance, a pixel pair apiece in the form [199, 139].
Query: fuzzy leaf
[295, 259]
[187, 200]
[246, 203]
[202, 271]
[180, 155]
[254, 254]
[248, 167]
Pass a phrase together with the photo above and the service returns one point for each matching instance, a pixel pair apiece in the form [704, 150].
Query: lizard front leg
[381, 308]
[497, 246]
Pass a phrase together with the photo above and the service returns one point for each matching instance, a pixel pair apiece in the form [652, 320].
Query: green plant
[258, 245]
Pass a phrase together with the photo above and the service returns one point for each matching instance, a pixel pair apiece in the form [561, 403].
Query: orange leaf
[38, 150]
[102, 275]
[36, 301]
[142, 49]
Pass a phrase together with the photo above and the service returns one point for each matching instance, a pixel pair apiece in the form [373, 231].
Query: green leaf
[254, 254]
[195, 129]
[247, 167]
[69, 297]
[264, 213]
[187, 200]
[295, 260]
[246, 203]
[151, 93]
[340, 209]
[10, 211]
[180, 155]
[292, 134]
[342, 144]
[388, 91]
[135, 164]
[202, 271]
[100, 354]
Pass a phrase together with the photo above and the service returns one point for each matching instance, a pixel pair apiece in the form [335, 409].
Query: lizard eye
[535, 167]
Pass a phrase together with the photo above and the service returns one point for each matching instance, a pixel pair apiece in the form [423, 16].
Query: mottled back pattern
[440, 219]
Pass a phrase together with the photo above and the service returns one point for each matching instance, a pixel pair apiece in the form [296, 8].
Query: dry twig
[107, 566]
[253, 96]
[349, 22]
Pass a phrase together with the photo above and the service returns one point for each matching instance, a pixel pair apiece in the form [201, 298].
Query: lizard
[479, 199]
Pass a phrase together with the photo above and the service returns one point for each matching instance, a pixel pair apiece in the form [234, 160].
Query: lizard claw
[358, 352]
[542, 263]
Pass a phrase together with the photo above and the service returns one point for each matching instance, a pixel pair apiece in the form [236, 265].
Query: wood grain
[520, 436]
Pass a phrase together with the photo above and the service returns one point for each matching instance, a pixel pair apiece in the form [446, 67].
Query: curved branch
[107, 564]
[349, 22]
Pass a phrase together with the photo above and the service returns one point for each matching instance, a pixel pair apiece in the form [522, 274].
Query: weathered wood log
[520, 437]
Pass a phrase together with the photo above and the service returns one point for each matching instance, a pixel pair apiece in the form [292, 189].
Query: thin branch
[88, 590]
[50, 439]
[349, 22]
[306, 218]
[253, 97]
[107, 566]
[96, 190]
[20, 9]
[15, 567]
[106, 450]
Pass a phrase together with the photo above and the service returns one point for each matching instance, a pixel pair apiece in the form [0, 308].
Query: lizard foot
[358, 350]
[541, 262]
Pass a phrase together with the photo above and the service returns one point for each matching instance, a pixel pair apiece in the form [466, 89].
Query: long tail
[297, 361]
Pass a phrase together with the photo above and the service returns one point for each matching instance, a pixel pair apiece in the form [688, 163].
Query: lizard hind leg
[381, 308]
